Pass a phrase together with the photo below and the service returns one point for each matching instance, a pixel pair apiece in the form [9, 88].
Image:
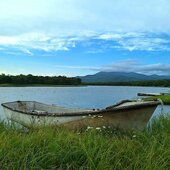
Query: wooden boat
[125, 114]
[152, 94]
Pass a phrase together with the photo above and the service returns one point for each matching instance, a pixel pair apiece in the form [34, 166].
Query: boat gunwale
[84, 113]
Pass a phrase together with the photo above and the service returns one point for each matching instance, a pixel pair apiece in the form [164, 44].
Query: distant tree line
[62, 80]
[154, 83]
[31, 79]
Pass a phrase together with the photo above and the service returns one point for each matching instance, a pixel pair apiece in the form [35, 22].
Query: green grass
[57, 148]
[165, 98]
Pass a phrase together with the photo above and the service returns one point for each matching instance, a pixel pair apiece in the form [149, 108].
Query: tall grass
[164, 98]
[58, 148]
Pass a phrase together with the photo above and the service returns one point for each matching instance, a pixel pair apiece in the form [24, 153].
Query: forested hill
[120, 77]
[151, 83]
[42, 80]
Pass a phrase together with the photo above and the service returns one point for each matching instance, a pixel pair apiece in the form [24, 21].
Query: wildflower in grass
[104, 127]
[134, 136]
[93, 116]
[89, 127]
[100, 116]
[98, 128]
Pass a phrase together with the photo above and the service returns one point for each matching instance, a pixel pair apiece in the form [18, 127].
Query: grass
[165, 98]
[58, 148]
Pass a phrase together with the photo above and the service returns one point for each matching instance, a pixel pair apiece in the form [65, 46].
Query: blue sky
[73, 37]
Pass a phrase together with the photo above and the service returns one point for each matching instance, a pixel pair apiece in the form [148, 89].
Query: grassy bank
[165, 98]
[56, 148]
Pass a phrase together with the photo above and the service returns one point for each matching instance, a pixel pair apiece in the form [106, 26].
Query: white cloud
[128, 65]
[69, 17]
[137, 66]
[58, 25]
[147, 41]
[4, 72]
[130, 41]
[122, 66]
[77, 67]
[157, 68]
[36, 41]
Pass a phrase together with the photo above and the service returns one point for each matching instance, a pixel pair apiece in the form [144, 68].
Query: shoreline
[38, 85]
[80, 85]
[164, 98]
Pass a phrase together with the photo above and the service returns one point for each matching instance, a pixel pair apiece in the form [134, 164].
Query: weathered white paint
[23, 113]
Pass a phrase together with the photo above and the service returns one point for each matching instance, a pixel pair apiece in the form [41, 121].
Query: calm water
[81, 97]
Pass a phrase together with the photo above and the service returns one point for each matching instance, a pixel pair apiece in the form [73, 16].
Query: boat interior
[34, 107]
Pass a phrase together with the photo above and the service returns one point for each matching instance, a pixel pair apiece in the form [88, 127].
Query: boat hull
[131, 118]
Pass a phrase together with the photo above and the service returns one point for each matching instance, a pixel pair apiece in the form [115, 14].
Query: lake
[77, 97]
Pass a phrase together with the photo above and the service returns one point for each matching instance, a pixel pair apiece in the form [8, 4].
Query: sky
[80, 37]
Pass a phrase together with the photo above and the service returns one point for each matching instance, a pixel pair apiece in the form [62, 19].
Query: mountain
[120, 77]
